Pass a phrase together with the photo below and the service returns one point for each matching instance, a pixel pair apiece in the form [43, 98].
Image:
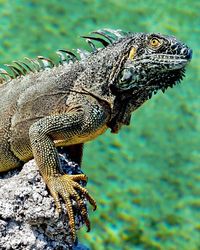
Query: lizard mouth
[170, 62]
[173, 61]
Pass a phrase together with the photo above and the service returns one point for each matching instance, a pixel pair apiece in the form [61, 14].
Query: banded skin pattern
[44, 106]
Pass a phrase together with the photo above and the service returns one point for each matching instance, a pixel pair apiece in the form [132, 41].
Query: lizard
[46, 105]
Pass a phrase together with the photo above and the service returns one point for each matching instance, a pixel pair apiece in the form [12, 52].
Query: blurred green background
[146, 179]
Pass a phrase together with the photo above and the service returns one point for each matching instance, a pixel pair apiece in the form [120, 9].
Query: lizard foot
[67, 187]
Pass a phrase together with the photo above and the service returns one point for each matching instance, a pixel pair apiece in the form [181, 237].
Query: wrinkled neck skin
[101, 69]
[124, 105]
[99, 78]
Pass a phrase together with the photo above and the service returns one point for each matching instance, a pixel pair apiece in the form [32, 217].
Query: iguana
[44, 105]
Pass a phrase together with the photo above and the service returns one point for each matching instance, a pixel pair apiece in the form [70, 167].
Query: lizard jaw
[170, 62]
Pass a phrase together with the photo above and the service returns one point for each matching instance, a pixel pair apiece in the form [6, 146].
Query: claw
[67, 187]
[71, 218]
[87, 195]
[84, 213]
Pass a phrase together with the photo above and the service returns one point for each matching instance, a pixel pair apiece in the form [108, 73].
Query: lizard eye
[155, 43]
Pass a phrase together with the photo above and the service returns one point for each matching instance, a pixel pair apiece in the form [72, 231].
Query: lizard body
[76, 101]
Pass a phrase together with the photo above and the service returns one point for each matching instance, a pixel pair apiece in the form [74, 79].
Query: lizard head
[153, 62]
[137, 66]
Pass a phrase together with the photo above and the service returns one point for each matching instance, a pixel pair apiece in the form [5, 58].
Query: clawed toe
[67, 187]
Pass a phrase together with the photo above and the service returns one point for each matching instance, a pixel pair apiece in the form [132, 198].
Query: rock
[28, 219]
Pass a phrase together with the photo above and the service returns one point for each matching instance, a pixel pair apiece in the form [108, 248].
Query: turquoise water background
[146, 179]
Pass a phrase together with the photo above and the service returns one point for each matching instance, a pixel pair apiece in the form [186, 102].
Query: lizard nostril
[187, 53]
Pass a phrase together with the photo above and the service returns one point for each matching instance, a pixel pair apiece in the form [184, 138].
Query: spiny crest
[21, 68]
[110, 35]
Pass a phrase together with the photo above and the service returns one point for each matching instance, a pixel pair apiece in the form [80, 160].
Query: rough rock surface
[28, 219]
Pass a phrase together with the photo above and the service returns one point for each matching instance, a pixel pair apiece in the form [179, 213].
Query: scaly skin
[72, 103]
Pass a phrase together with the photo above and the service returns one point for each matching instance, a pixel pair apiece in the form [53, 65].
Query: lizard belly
[80, 138]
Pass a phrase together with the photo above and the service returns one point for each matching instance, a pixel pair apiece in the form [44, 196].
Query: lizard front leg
[67, 127]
